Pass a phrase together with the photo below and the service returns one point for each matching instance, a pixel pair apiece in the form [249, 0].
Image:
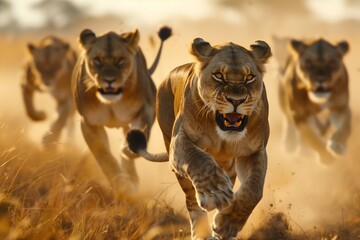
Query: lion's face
[230, 83]
[109, 61]
[319, 66]
[48, 57]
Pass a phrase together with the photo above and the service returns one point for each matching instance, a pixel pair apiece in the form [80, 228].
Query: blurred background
[311, 196]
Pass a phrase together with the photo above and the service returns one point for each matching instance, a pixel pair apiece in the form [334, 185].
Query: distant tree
[59, 13]
[5, 13]
[7, 20]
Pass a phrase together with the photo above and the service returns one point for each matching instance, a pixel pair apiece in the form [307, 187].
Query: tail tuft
[136, 140]
[164, 33]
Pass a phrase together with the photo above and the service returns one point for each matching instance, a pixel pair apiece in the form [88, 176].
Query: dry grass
[46, 195]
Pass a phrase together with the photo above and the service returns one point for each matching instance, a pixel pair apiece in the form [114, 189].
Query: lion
[49, 69]
[213, 114]
[113, 88]
[314, 97]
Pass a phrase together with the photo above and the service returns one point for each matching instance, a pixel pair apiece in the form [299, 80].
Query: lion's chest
[222, 150]
[111, 115]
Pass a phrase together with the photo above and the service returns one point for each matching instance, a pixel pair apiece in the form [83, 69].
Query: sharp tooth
[226, 123]
[237, 124]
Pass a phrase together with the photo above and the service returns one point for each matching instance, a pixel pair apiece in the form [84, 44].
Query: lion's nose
[109, 80]
[236, 102]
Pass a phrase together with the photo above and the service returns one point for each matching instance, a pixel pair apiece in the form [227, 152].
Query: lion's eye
[218, 77]
[250, 78]
[97, 62]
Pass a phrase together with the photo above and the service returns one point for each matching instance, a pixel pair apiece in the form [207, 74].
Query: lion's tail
[136, 141]
[163, 33]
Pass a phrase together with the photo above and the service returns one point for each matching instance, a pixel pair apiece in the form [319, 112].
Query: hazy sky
[155, 11]
[151, 10]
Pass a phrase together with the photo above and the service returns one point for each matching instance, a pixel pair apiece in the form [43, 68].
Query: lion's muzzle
[110, 90]
[231, 121]
[320, 93]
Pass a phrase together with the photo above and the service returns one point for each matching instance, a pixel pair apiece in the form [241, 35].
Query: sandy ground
[309, 194]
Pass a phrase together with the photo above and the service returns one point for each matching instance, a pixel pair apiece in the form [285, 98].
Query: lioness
[213, 114]
[49, 69]
[315, 80]
[113, 88]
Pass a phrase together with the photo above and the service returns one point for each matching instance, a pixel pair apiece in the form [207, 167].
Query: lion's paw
[224, 227]
[214, 191]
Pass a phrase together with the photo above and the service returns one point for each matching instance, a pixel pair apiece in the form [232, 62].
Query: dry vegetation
[45, 195]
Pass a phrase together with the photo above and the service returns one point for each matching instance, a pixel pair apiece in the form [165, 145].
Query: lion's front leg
[251, 173]
[341, 120]
[311, 137]
[98, 143]
[127, 158]
[200, 228]
[64, 109]
[28, 98]
[212, 186]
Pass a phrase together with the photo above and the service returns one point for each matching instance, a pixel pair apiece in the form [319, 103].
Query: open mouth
[321, 90]
[110, 91]
[320, 93]
[231, 121]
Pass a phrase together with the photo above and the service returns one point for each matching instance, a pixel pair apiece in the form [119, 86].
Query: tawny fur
[49, 70]
[206, 160]
[113, 88]
[315, 81]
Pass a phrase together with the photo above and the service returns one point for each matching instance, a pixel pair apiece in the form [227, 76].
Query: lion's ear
[261, 51]
[87, 37]
[132, 38]
[201, 48]
[31, 47]
[343, 47]
[297, 45]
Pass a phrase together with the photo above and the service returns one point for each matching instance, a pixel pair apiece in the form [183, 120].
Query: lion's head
[230, 82]
[48, 57]
[109, 61]
[319, 66]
